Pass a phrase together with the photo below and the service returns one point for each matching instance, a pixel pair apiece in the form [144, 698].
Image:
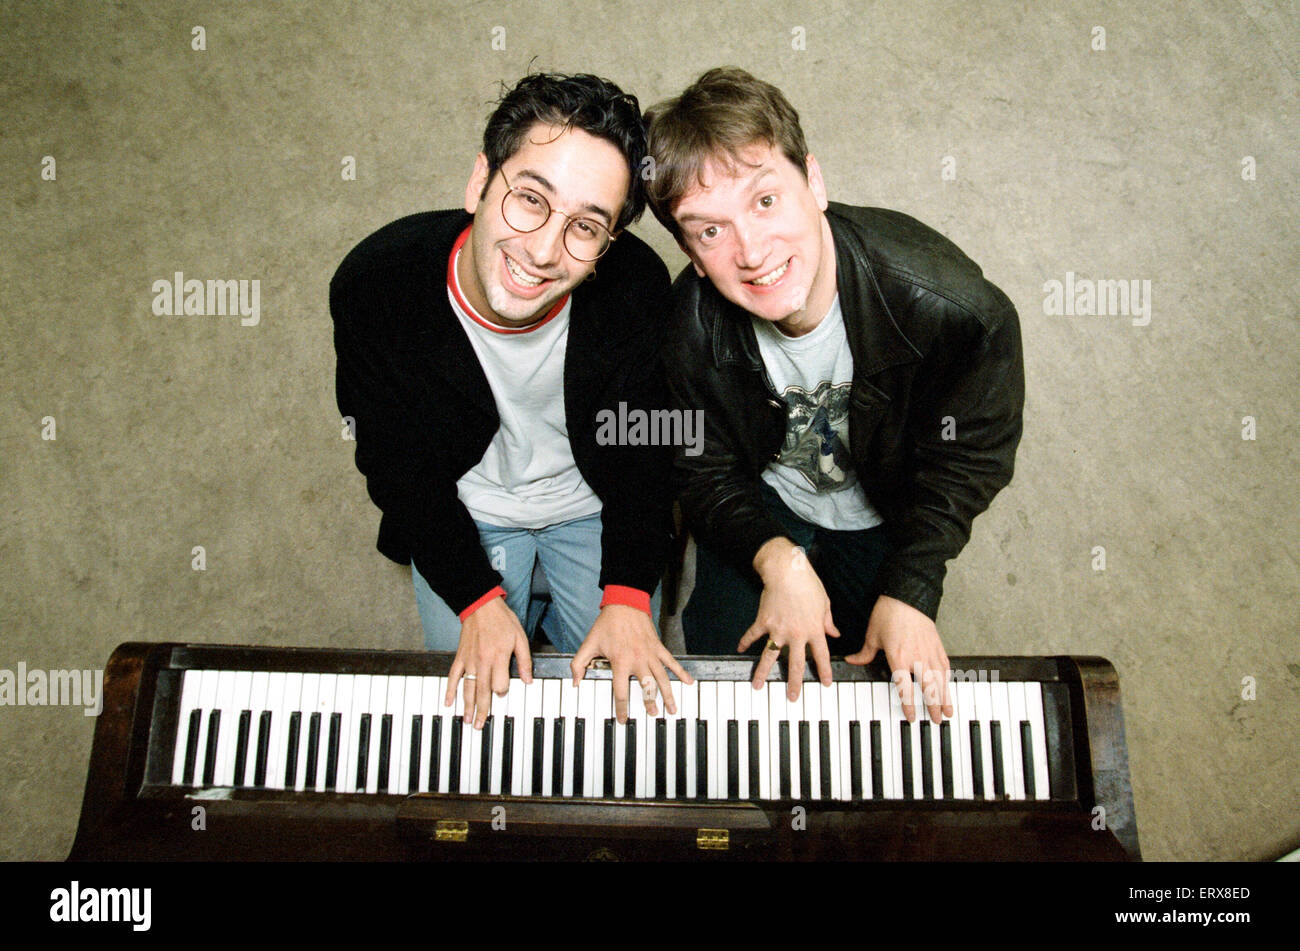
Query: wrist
[497, 592]
[622, 594]
[776, 557]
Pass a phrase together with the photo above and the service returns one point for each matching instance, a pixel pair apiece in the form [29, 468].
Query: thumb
[578, 667]
[524, 658]
[828, 624]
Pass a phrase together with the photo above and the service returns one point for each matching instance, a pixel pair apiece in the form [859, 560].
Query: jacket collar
[875, 340]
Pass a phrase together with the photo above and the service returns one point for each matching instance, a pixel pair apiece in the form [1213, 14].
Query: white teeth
[771, 277]
[520, 276]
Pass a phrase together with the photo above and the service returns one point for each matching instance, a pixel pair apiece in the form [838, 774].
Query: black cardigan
[424, 415]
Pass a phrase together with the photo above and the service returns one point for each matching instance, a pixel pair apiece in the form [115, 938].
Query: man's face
[515, 278]
[755, 228]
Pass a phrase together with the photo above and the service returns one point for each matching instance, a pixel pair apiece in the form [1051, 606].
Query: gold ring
[773, 645]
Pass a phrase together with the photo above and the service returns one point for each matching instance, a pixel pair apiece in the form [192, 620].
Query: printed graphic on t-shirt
[817, 434]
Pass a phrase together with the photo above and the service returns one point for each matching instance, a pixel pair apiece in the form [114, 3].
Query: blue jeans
[570, 556]
[725, 600]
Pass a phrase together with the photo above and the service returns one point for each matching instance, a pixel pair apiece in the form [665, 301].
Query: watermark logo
[1084, 297]
[658, 427]
[103, 904]
[213, 298]
[53, 688]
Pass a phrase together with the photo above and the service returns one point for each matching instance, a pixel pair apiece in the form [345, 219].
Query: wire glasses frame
[526, 211]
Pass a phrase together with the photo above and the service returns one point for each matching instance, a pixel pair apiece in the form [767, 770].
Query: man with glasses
[477, 351]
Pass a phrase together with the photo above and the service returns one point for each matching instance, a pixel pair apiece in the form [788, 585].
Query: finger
[821, 654]
[501, 676]
[660, 675]
[581, 659]
[864, 656]
[903, 681]
[467, 695]
[765, 662]
[649, 690]
[453, 678]
[525, 658]
[829, 624]
[669, 661]
[756, 630]
[947, 689]
[794, 677]
[934, 693]
[482, 699]
[620, 695]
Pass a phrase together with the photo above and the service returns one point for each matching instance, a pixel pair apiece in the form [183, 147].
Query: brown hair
[723, 111]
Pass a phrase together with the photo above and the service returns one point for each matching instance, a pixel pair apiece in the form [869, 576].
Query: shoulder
[630, 268]
[402, 248]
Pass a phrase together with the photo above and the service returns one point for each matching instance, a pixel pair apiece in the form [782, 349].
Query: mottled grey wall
[1122, 163]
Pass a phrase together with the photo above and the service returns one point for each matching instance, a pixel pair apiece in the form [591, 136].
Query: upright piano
[257, 753]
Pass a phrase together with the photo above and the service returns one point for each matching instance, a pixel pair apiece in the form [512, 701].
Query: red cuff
[621, 594]
[498, 591]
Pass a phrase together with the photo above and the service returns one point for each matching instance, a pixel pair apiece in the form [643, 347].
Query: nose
[545, 246]
[751, 249]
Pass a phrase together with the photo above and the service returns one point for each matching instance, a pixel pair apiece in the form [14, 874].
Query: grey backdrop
[1123, 163]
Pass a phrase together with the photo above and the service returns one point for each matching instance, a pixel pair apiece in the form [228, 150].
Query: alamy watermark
[1084, 297]
[180, 297]
[656, 427]
[53, 688]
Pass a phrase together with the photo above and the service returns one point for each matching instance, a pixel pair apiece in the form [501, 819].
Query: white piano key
[327, 704]
[1002, 715]
[636, 714]
[473, 752]
[533, 697]
[256, 704]
[983, 716]
[936, 752]
[357, 689]
[776, 715]
[208, 684]
[238, 702]
[1016, 704]
[191, 685]
[670, 790]
[869, 708]
[604, 710]
[648, 745]
[587, 716]
[963, 704]
[709, 715]
[272, 703]
[812, 715]
[758, 710]
[740, 695]
[420, 702]
[726, 703]
[515, 710]
[449, 721]
[306, 706]
[290, 703]
[398, 768]
[918, 772]
[377, 706]
[691, 714]
[830, 714]
[845, 714]
[892, 723]
[569, 711]
[620, 760]
[498, 753]
[550, 713]
[793, 714]
[1034, 714]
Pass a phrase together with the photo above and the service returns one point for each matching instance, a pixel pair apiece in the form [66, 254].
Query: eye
[531, 200]
[767, 201]
[585, 228]
[709, 233]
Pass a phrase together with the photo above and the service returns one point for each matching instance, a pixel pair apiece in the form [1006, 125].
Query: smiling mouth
[520, 276]
[771, 277]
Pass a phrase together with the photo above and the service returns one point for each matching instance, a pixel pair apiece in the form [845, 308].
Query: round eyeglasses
[526, 210]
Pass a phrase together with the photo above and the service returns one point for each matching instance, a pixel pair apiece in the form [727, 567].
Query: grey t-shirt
[814, 473]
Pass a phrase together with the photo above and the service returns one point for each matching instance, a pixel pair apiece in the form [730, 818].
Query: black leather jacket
[930, 338]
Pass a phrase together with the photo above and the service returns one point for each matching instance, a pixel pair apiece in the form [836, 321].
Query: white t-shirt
[814, 473]
[527, 477]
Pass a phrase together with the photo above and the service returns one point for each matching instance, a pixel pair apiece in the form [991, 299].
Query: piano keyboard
[375, 734]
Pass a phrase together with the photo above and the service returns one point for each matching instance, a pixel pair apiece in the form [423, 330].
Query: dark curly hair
[581, 101]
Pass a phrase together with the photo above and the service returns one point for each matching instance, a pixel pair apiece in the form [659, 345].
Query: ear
[695, 262]
[477, 179]
[815, 182]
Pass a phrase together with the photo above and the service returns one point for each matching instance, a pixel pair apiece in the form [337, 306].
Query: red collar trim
[453, 283]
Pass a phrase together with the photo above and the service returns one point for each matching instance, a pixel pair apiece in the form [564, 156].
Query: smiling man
[861, 384]
[477, 353]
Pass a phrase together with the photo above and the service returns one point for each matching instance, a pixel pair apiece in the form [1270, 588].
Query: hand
[488, 638]
[911, 643]
[793, 610]
[626, 637]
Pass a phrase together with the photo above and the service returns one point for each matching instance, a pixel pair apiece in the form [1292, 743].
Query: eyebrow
[754, 181]
[541, 180]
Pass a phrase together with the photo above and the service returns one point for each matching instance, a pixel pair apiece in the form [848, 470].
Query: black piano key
[976, 760]
[241, 747]
[263, 748]
[855, 759]
[435, 752]
[755, 751]
[661, 758]
[629, 761]
[313, 751]
[805, 761]
[332, 751]
[999, 778]
[701, 759]
[507, 755]
[927, 762]
[682, 791]
[784, 750]
[458, 727]
[539, 755]
[363, 751]
[192, 747]
[1027, 757]
[945, 755]
[385, 750]
[607, 771]
[485, 758]
[877, 762]
[733, 759]
[291, 748]
[905, 752]
[557, 758]
[210, 756]
[579, 756]
[417, 747]
[824, 741]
